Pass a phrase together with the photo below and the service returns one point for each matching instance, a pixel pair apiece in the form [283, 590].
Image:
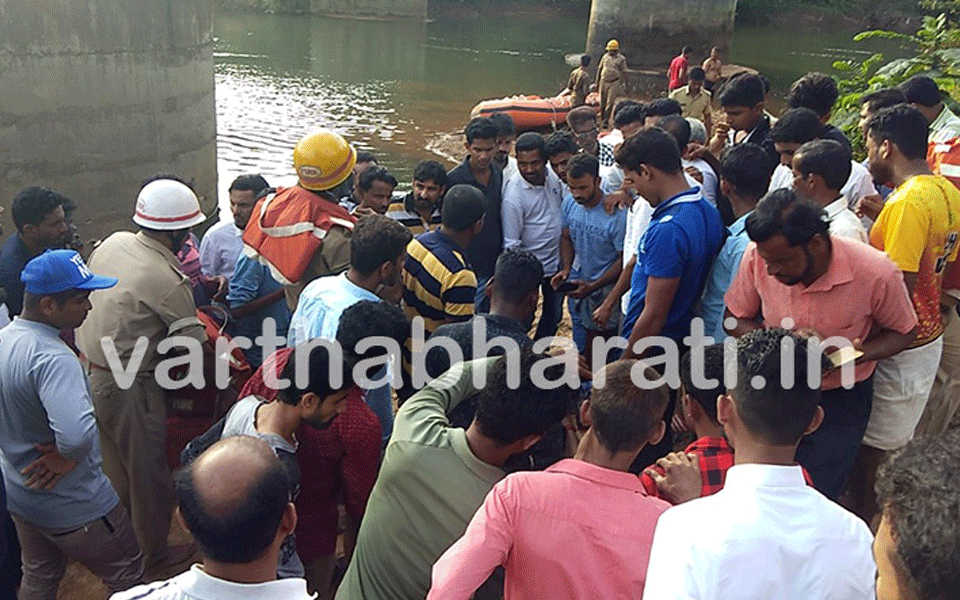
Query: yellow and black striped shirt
[439, 284]
[405, 212]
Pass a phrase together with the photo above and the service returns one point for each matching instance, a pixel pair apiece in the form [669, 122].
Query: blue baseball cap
[57, 271]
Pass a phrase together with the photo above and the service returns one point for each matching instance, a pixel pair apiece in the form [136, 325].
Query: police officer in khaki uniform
[151, 301]
[611, 75]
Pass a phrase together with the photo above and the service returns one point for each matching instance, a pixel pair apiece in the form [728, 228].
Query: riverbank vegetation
[933, 50]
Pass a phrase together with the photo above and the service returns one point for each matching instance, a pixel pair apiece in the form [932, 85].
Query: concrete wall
[407, 9]
[95, 96]
[651, 32]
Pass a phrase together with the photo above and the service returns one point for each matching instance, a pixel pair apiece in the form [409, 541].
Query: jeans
[551, 311]
[578, 331]
[829, 452]
[481, 304]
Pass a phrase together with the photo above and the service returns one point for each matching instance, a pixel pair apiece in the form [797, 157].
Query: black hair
[242, 532]
[365, 156]
[779, 411]
[583, 164]
[921, 90]
[580, 115]
[585, 61]
[697, 74]
[782, 212]
[815, 91]
[918, 490]
[463, 205]
[678, 127]
[686, 50]
[745, 90]
[746, 167]
[713, 364]
[826, 158]
[664, 107]
[559, 142]
[32, 301]
[629, 113]
[507, 414]
[376, 240]
[882, 99]
[531, 140]
[366, 319]
[518, 273]
[504, 124]
[430, 170]
[480, 128]
[904, 126]
[69, 207]
[249, 183]
[623, 415]
[653, 147]
[796, 126]
[366, 179]
[34, 204]
[319, 370]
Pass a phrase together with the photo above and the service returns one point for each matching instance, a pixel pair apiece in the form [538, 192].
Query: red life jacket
[287, 229]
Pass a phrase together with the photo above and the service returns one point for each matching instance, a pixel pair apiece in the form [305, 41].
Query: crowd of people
[445, 468]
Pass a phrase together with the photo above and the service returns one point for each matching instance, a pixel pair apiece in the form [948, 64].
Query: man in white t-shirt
[234, 500]
[221, 246]
[819, 169]
[795, 128]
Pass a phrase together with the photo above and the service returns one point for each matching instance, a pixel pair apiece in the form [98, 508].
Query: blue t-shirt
[722, 273]
[250, 281]
[597, 237]
[684, 236]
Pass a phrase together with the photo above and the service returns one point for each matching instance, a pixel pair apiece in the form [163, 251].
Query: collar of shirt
[496, 176]
[156, 246]
[485, 471]
[836, 207]
[739, 226]
[753, 476]
[691, 195]
[507, 323]
[838, 271]
[710, 443]
[356, 290]
[446, 240]
[946, 116]
[37, 327]
[598, 474]
[198, 584]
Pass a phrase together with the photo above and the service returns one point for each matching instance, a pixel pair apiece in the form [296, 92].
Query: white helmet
[167, 205]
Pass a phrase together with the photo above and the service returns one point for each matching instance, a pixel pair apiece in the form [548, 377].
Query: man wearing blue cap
[61, 501]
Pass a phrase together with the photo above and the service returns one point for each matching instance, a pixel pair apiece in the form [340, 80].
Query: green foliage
[934, 51]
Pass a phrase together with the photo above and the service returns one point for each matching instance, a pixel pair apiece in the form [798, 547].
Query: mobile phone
[844, 355]
[566, 287]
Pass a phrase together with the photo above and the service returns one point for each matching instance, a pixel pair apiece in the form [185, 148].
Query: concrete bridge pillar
[651, 32]
[97, 96]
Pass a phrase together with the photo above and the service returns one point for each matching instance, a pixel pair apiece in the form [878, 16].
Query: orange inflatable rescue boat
[531, 112]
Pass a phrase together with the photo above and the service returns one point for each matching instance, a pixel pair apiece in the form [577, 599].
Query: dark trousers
[551, 310]
[829, 452]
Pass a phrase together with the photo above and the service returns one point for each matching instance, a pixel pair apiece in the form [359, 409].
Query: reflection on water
[391, 87]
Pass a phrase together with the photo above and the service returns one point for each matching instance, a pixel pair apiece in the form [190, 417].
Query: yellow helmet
[323, 160]
[613, 45]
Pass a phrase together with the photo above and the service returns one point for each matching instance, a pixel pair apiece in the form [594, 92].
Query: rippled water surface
[392, 88]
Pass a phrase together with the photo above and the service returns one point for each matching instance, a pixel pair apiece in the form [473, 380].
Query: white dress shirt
[637, 220]
[858, 185]
[765, 535]
[843, 222]
[532, 220]
[196, 584]
[710, 182]
[220, 249]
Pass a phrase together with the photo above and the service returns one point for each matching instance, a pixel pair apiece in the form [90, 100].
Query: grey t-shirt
[242, 420]
[45, 398]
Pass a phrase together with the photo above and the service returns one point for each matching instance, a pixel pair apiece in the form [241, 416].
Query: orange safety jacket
[287, 230]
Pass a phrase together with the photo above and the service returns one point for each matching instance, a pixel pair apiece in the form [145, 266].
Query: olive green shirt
[429, 487]
[579, 86]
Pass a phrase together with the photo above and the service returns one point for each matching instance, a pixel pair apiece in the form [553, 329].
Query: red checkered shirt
[344, 458]
[715, 456]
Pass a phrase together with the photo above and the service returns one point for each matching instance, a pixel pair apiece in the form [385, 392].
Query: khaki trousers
[107, 546]
[945, 395]
[609, 92]
[133, 441]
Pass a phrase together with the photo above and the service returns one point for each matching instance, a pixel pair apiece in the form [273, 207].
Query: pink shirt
[574, 531]
[862, 286]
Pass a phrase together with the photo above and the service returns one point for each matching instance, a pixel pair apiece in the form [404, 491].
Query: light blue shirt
[597, 237]
[44, 399]
[721, 274]
[252, 280]
[320, 306]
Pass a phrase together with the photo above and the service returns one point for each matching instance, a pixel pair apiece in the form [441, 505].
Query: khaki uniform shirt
[333, 258]
[697, 106]
[152, 299]
[579, 86]
[612, 68]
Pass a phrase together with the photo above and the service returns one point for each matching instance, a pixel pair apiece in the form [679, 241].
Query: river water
[394, 87]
